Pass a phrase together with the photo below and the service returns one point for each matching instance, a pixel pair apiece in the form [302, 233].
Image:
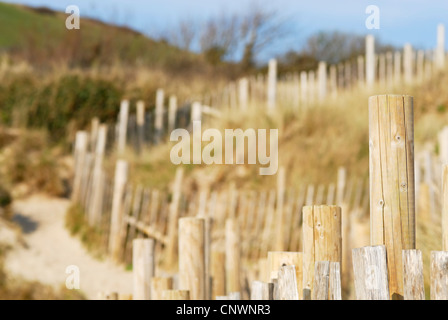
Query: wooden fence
[278, 244]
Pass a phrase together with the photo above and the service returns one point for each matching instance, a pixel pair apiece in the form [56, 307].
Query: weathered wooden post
[277, 260]
[370, 60]
[95, 208]
[192, 257]
[158, 119]
[218, 273]
[311, 87]
[440, 50]
[142, 268]
[262, 291]
[335, 287]
[439, 275]
[322, 80]
[287, 283]
[321, 280]
[303, 88]
[413, 283]
[94, 126]
[370, 273]
[121, 177]
[123, 125]
[81, 143]
[158, 285]
[172, 110]
[392, 198]
[233, 256]
[333, 81]
[272, 84]
[140, 125]
[322, 240]
[408, 63]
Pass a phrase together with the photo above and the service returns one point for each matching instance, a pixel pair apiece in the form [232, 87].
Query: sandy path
[50, 249]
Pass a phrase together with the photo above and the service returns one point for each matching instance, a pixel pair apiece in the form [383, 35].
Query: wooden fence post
[142, 267]
[440, 50]
[322, 240]
[123, 126]
[121, 177]
[277, 260]
[370, 60]
[287, 283]
[321, 280]
[303, 89]
[413, 283]
[218, 273]
[370, 273]
[95, 207]
[392, 199]
[322, 80]
[160, 284]
[80, 156]
[191, 257]
[408, 63]
[140, 125]
[272, 84]
[262, 291]
[233, 256]
[439, 275]
[335, 289]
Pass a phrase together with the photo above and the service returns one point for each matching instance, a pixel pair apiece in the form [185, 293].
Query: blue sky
[413, 21]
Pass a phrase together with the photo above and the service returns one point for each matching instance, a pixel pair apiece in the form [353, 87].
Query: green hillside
[40, 36]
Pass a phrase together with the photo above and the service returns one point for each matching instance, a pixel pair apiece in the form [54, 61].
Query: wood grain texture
[262, 291]
[279, 259]
[413, 282]
[335, 289]
[439, 275]
[121, 176]
[322, 240]
[321, 280]
[287, 283]
[370, 273]
[192, 257]
[142, 268]
[392, 205]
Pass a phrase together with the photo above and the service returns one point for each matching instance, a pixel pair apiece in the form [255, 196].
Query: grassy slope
[25, 28]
